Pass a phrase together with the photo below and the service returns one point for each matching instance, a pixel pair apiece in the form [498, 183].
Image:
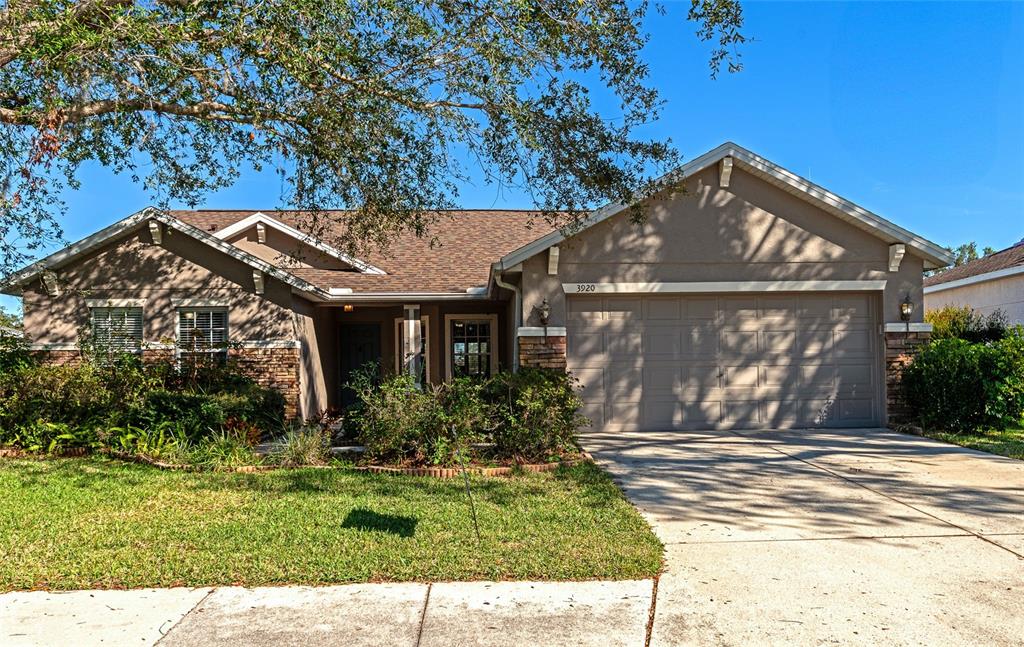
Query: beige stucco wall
[751, 231]
[1006, 294]
[135, 268]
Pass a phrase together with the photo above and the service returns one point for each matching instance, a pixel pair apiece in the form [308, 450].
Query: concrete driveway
[827, 537]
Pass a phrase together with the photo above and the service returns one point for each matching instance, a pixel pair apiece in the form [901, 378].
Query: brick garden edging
[435, 472]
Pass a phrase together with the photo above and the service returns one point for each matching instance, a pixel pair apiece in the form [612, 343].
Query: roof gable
[729, 154]
[1006, 262]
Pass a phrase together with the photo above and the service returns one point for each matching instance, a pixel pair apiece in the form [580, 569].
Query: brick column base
[900, 350]
[542, 352]
[274, 368]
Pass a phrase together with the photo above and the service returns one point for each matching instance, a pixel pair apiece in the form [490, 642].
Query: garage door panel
[738, 343]
[624, 382]
[696, 415]
[741, 412]
[627, 345]
[701, 308]
[664, 309]
[664, 380]
[704, 361]
[779, 343]
[779, 309]
[663, 343]
[740, 376]
[739, 308]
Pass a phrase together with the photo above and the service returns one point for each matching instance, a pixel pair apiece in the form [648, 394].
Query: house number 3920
[586, 287]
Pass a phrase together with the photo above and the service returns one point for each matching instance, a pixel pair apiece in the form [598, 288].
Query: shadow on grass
[363, 519]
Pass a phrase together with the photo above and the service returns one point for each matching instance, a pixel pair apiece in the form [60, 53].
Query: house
[752, 298]
[9, 332]
[994, 282]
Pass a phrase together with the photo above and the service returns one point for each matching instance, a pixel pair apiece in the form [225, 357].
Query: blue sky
[913, 110]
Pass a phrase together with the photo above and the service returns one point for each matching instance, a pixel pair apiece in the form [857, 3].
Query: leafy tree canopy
[369, 105]
[964, 254]
[9, 319]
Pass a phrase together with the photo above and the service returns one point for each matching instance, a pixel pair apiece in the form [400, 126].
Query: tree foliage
[373, 106]
[9, 319]
[963, 255]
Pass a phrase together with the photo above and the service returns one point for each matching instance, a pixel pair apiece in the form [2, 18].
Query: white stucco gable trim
[260, 218]
[933, 255]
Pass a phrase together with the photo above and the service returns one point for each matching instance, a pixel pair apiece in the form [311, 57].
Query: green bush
[955, 322]
[960, 386]
[305, 445]
[14, 354]
[116, 396]
[537, 413]
[527, 416]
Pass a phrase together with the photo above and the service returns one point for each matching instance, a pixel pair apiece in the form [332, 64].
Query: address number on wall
[586, 287]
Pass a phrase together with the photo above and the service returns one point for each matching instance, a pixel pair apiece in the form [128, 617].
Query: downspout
[518, 305]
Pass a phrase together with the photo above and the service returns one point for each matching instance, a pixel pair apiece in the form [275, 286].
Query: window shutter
[117, 329]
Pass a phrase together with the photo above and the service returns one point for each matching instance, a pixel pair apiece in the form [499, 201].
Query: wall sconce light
[906, 309]
[544, 312]
[348, 307]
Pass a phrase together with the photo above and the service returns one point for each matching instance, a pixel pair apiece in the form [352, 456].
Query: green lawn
[95, 522]
[1005, 443]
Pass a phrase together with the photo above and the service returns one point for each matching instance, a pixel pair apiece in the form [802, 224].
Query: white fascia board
[396, 297]
[75, 250]
[977, 278]
[806, 189]
[292, 232]
[132, 222]
[723, 286]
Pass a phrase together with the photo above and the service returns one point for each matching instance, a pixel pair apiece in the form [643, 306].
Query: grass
[100, 523]
[1009, 442]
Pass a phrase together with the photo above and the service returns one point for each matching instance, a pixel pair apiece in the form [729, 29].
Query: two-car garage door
[740, 361]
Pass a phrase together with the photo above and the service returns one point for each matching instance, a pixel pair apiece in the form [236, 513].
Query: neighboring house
[9, 332]
[994, 282]
[754, 298]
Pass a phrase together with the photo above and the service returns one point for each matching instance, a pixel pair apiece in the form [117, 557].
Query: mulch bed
[435, 472]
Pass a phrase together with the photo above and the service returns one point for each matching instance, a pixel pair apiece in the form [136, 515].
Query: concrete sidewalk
[430, 615]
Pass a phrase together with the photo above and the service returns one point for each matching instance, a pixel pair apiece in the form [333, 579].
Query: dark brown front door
[360, 345]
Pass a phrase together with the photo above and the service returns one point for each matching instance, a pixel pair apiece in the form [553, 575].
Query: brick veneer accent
[542, 352]
[900, 350]
[275, 368]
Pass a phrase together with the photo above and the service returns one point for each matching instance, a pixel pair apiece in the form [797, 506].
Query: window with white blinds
[117, 329]
[203, 329]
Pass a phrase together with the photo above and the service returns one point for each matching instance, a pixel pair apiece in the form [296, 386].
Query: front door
[360, 345]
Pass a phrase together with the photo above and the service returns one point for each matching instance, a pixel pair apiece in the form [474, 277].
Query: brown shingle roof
[1009, 257]
[465, 244]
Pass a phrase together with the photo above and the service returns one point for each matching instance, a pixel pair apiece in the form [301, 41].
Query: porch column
[412, 342]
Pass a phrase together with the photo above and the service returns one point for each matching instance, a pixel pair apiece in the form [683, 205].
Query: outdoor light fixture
[348, 307]
[906, 309]
[544, 311]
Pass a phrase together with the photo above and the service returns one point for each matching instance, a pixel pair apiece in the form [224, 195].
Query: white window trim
[490, 318]
[200, 303]
[424, 325]
[177, 328]
[119, 304]
[115, 303]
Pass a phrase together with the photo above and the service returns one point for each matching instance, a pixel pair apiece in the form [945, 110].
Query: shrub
[955, 322]
[1004, 388]
[305, 445]
[220, 449]
[960, 386]
[14, 354]
[390, 416]
[537, 413]
[945, 384]
[527, 416]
